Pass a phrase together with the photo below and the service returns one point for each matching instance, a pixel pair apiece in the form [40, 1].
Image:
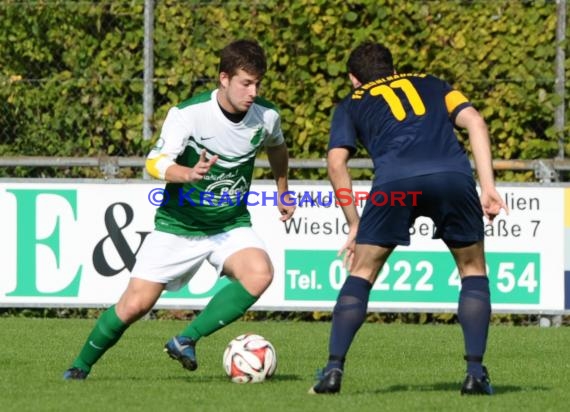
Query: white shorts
[174, 259]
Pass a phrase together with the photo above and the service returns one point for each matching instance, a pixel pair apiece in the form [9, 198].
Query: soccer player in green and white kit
[206, 150]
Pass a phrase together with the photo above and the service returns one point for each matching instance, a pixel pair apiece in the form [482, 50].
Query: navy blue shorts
[449, 199]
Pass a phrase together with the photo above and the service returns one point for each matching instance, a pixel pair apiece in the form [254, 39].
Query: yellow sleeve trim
[154, 168]
[454, 99]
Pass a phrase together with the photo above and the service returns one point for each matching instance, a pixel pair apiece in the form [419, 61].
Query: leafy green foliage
[71, 72]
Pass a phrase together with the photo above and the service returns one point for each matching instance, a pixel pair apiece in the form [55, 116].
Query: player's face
[237, 93]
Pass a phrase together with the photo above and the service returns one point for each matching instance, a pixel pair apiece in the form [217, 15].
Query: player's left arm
[339, 176]
[278, 157]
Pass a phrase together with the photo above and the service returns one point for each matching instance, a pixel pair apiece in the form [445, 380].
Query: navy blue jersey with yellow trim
[406, 123]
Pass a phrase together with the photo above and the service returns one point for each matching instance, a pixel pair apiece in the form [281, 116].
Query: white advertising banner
[74, 244]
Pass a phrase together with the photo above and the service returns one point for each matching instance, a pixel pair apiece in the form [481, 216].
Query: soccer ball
[249, 358]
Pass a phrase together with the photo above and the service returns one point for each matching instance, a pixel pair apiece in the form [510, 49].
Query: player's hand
[286, 208]
[492, 203]
[348, 248]
[202, 167]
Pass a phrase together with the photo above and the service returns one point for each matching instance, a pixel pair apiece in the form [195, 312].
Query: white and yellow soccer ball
[249, 358]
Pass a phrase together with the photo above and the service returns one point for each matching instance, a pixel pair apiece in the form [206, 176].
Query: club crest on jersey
[227, 187]
[257, 136]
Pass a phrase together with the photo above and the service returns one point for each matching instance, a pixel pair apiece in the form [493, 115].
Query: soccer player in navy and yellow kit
[207, 144]
[406, 122]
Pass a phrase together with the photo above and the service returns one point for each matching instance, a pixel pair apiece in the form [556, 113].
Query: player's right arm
[161, 161]
[176, 173]
[491, 201]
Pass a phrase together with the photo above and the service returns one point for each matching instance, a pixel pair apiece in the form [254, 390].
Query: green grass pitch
[390, 368]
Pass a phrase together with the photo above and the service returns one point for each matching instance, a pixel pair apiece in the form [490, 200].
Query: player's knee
[471, 266]
[470, 258]
[258, 279]
[263, 276]
[132, 310]
[261, 268]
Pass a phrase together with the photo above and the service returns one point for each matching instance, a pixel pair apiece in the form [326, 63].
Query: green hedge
[71, 72]
[292, 316]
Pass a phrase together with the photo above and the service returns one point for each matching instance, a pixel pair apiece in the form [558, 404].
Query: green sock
[226, 306]
[106, 332]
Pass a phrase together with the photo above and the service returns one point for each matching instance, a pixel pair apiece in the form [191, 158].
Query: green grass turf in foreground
[389, 368]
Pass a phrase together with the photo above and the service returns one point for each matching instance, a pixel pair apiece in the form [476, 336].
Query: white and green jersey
[215, 204]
